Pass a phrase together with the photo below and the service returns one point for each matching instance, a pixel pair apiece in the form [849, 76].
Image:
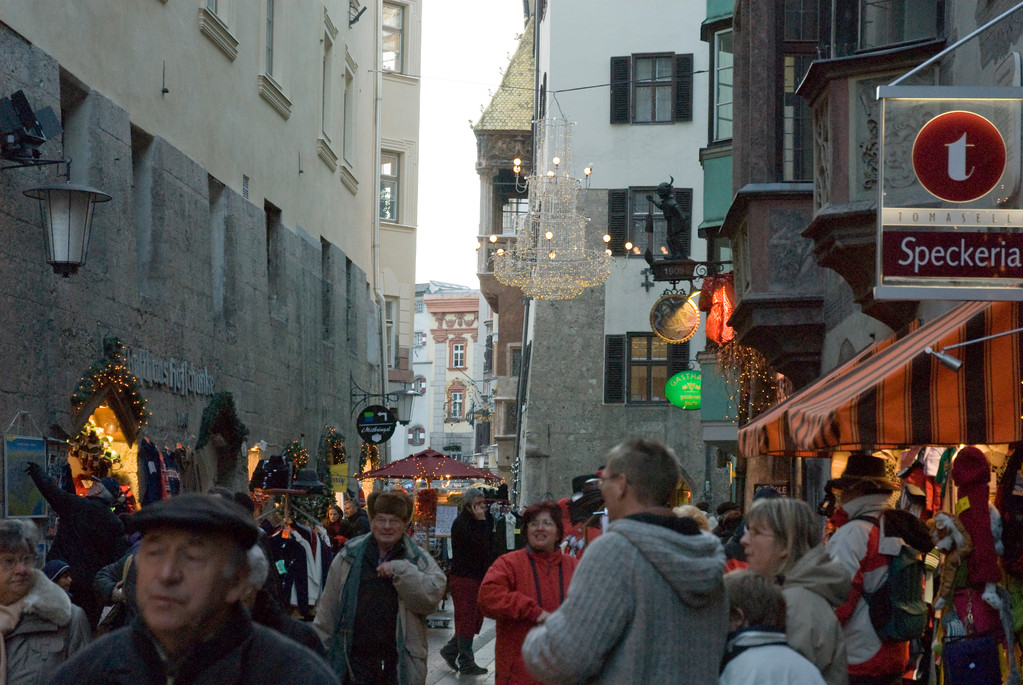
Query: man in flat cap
[192, 572]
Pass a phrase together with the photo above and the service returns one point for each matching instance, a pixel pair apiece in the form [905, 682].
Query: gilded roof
[511, 108]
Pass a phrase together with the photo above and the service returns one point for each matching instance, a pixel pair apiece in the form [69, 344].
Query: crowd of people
[770, 595]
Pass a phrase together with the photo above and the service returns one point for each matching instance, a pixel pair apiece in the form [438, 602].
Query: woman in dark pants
[472, 553]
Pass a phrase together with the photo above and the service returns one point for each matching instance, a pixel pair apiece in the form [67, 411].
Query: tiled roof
[511, 108]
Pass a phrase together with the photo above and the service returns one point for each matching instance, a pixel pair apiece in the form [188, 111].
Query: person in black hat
[864, 490]
[193, 570]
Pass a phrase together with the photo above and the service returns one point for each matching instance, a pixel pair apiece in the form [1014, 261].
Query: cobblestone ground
[438, 672]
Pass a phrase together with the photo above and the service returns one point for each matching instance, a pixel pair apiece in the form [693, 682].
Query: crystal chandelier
[551, 259]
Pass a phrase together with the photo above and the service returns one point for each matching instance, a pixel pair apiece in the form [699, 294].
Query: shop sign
[375, 424]
[339, 477]
[177, 375]
[950, 215]
[683, 389]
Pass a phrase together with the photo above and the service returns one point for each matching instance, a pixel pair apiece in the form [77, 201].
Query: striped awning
[895, 395]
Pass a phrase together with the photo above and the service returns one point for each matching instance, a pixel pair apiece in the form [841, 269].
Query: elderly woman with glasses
[40, 625]
[522, 588]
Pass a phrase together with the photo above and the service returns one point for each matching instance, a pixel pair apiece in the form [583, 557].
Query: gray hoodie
[813, 588]
[646, 605]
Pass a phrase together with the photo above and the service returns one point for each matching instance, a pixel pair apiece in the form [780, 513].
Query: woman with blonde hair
[693, 513]
[783, 542]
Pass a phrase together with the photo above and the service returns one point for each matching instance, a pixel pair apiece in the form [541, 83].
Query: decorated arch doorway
[108, 411]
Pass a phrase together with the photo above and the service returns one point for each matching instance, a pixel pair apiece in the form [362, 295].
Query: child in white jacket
[756, 651]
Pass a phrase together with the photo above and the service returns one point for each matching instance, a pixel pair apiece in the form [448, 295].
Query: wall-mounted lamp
[66, 209]
[954, 363]
[354, 16]
[946, 360]
[586, 173]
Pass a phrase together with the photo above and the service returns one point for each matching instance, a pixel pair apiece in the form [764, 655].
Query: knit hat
[55, 568]
[865, 471]
[200, 513]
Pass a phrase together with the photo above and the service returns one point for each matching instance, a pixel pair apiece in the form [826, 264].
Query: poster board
[446, 514]
[21, 497]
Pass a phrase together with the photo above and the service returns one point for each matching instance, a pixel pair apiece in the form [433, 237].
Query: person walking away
[472, 553]
[41, 627]
[89, 536]
[644, 590]
[192, 630]
[783, 543]
[756, 650]
[379, 591]
[865, 491]
[523, 587]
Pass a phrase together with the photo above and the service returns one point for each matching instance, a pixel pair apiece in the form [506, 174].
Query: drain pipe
[378, 292]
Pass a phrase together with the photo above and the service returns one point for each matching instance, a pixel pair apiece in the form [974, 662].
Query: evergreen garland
[111, 372]
[221, 417]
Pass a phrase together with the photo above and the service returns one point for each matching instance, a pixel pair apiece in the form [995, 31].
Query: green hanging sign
[683, 389]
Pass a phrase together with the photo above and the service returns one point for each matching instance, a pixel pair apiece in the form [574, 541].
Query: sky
[466, 44]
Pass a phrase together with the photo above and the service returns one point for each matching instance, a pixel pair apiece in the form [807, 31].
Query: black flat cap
[200, 513]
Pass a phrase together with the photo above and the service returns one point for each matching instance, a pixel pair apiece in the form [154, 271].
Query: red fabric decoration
[717, 298]
[971, 472]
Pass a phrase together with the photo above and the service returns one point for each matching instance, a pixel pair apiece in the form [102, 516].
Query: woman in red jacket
[523, 587]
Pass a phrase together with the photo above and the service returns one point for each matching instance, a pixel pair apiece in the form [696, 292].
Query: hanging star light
[552, 258]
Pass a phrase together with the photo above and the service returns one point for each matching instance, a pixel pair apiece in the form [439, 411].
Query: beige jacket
[420, 584]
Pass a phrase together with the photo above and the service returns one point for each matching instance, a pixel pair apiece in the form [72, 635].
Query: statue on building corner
[675, 223]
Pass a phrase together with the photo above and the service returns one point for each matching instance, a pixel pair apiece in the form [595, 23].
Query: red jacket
[509, 595]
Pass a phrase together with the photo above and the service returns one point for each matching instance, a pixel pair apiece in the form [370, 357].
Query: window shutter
[618, 220]
[614, 369]
[678, 358]
[621, 82]
[684, 198]
[683, 87]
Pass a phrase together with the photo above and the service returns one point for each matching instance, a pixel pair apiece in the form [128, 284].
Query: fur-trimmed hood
[47, 601]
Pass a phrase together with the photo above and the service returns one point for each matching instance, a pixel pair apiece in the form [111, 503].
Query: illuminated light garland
[753, 387]
[551, 259]
[296, 454]
[111, 372]
[370, 456]
[334, 443]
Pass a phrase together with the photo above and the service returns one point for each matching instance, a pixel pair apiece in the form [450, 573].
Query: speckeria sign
[950, 218]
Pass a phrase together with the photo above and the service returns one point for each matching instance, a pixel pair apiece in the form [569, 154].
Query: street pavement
[438, 672]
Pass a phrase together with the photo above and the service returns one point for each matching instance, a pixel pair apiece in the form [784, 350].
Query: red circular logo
[959, 156]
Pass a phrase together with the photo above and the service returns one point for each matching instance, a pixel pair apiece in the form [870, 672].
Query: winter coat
[855, 546]
[360, 522]
[420, 584]
[813, 588]
[50, 630]
[641, 588]
[472, 545]
[107, 579]
[242, 653]
[762, 657]
[89, 535]
[509, 594]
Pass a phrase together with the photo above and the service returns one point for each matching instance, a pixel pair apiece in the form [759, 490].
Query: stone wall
[165, 277]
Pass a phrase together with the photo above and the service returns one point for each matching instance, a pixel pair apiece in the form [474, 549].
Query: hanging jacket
[50, 630]
[814, 587]
[518, 586]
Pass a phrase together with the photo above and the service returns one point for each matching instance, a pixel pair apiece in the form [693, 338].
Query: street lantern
[66, 211]
[402, 405]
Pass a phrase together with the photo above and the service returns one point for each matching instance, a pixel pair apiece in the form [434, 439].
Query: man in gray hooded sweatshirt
[647, 602]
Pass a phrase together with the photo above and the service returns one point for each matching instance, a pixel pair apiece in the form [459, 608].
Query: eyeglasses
[26, 560]
[545, 523]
